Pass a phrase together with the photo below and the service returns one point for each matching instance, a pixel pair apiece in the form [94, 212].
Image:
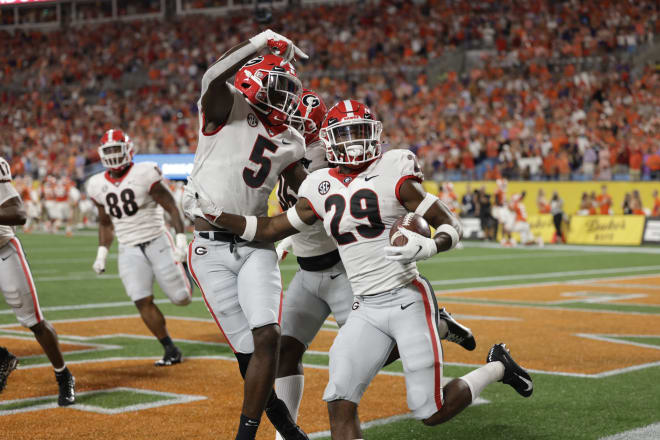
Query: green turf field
[565, 404]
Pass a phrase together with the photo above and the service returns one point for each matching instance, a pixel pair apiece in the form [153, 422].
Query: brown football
[412, 222]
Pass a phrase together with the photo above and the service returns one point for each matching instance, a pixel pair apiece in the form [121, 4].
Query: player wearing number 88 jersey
[130, 198]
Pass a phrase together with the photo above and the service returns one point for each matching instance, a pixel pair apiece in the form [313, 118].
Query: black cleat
[514, 374]
[279, 416]
[8, 363]
[458, 333]
[67, 384]
[171, 357]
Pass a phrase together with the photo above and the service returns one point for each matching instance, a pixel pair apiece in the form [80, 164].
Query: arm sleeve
[407, 167]
[7, 191]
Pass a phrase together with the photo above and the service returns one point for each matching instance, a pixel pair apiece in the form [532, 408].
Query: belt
[320, 262]
[221, 236]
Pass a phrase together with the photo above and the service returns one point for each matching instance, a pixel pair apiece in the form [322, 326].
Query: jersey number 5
[129, 207]
[257, 178]
[364, 204]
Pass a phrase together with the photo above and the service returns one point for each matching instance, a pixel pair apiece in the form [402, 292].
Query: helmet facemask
[116, 155]
[281, 92]
[352, 142]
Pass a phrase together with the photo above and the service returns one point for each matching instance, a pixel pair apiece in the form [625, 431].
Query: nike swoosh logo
[332, 277]
[368, 178]
[419, 249]
[285, 142]
[528, 382]
[3, 259]
[406, 306]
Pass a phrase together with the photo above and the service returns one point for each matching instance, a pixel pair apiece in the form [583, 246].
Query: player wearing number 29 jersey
[358, 202]
[130, 198]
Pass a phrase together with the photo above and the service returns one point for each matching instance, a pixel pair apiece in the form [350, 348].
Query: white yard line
[647, 432]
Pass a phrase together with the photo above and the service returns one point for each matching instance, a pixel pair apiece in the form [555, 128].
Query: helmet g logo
[254, 61]
[310, 101]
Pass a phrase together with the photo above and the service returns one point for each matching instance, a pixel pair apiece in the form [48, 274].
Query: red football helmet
[271, 85]
[309, 116]
[350, 134]
[116, 150]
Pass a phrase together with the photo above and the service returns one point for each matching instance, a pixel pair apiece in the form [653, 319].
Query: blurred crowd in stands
[523, 112]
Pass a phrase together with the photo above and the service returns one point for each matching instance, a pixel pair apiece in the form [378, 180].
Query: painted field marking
[569, 247]
[644, 433]
[618, 339]
[596, 297]
[172, 399]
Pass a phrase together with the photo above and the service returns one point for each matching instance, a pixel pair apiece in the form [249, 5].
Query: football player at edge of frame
[17, 286]
[358, 202]
[321, 286]
[245, 144]
[130, 198]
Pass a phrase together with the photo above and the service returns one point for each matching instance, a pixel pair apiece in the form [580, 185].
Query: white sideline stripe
[614, 338]
[572, 247]
[173, 399]
[643, 433]
[546, 275]
[96, 306]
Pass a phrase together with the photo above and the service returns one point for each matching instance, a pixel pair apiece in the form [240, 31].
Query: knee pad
[342, 382]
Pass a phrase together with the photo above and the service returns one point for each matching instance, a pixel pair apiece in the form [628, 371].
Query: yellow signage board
[606, 229]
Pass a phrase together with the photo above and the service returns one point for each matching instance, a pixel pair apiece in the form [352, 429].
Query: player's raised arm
[448, 228]
[217, 99]
[106, 235]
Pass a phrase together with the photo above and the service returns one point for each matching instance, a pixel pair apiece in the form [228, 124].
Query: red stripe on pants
[437, 386]
[28, 278]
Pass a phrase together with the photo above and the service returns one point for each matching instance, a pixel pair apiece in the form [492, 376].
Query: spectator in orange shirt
[604, 201]
[656, 204]
[635, 164]
[653, 162]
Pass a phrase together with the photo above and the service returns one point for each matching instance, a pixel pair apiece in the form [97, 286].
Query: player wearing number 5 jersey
[245, 144]
[358, 202]
[130, 198]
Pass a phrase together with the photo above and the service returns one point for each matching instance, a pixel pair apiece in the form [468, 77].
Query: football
[412, 222]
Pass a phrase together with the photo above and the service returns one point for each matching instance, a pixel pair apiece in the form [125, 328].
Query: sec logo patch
[356, 305]
[200, 250]
[252, 120]
[324, 187]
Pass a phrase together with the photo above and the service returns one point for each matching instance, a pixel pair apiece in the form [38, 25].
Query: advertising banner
[652, 230]
[606, 229]
[173, 166]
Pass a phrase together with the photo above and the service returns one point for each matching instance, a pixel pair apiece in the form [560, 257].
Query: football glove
[417, 248]
[180, 247]
[99, 263]
[278, 45]
[282, 248]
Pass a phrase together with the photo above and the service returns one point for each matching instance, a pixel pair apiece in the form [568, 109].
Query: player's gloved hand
[209, 209]
[180, 247]
[278, 45]
[417, 248]
[282, 248]
[99, 263]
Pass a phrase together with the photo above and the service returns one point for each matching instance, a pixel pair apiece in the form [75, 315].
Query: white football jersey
[314, 241]
[358, 211]
[238, 165]
[7, 191]
[136, 217]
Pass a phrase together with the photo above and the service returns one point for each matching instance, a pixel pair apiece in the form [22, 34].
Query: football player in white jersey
[245, 143]
[130, 198]
[17, 285]
[358, 202]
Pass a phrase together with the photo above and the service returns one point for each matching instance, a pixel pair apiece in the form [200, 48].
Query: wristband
[451, 231]
[250, 228]
[260, 40]
[181, 240]
[295, 220]
[428, 200]
[102, 253]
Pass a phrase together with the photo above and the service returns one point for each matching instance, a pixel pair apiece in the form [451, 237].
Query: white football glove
[417, 248]
[278, 45]
[282, 248]
[209, 209]
[180, 248]
[99, 263]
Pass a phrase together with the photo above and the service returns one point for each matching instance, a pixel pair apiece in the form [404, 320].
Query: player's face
[284, 92]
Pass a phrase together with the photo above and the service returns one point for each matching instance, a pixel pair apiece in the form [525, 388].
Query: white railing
[230, 6]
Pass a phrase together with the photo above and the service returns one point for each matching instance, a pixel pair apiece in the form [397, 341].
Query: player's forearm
[228, 64]
[13, 216]
[175, 219]
[269, 229]
[106, 235]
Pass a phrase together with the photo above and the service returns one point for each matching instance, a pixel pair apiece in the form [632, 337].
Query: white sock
[443, 329]
[59, 370]
[290, 390]
[482, 376]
